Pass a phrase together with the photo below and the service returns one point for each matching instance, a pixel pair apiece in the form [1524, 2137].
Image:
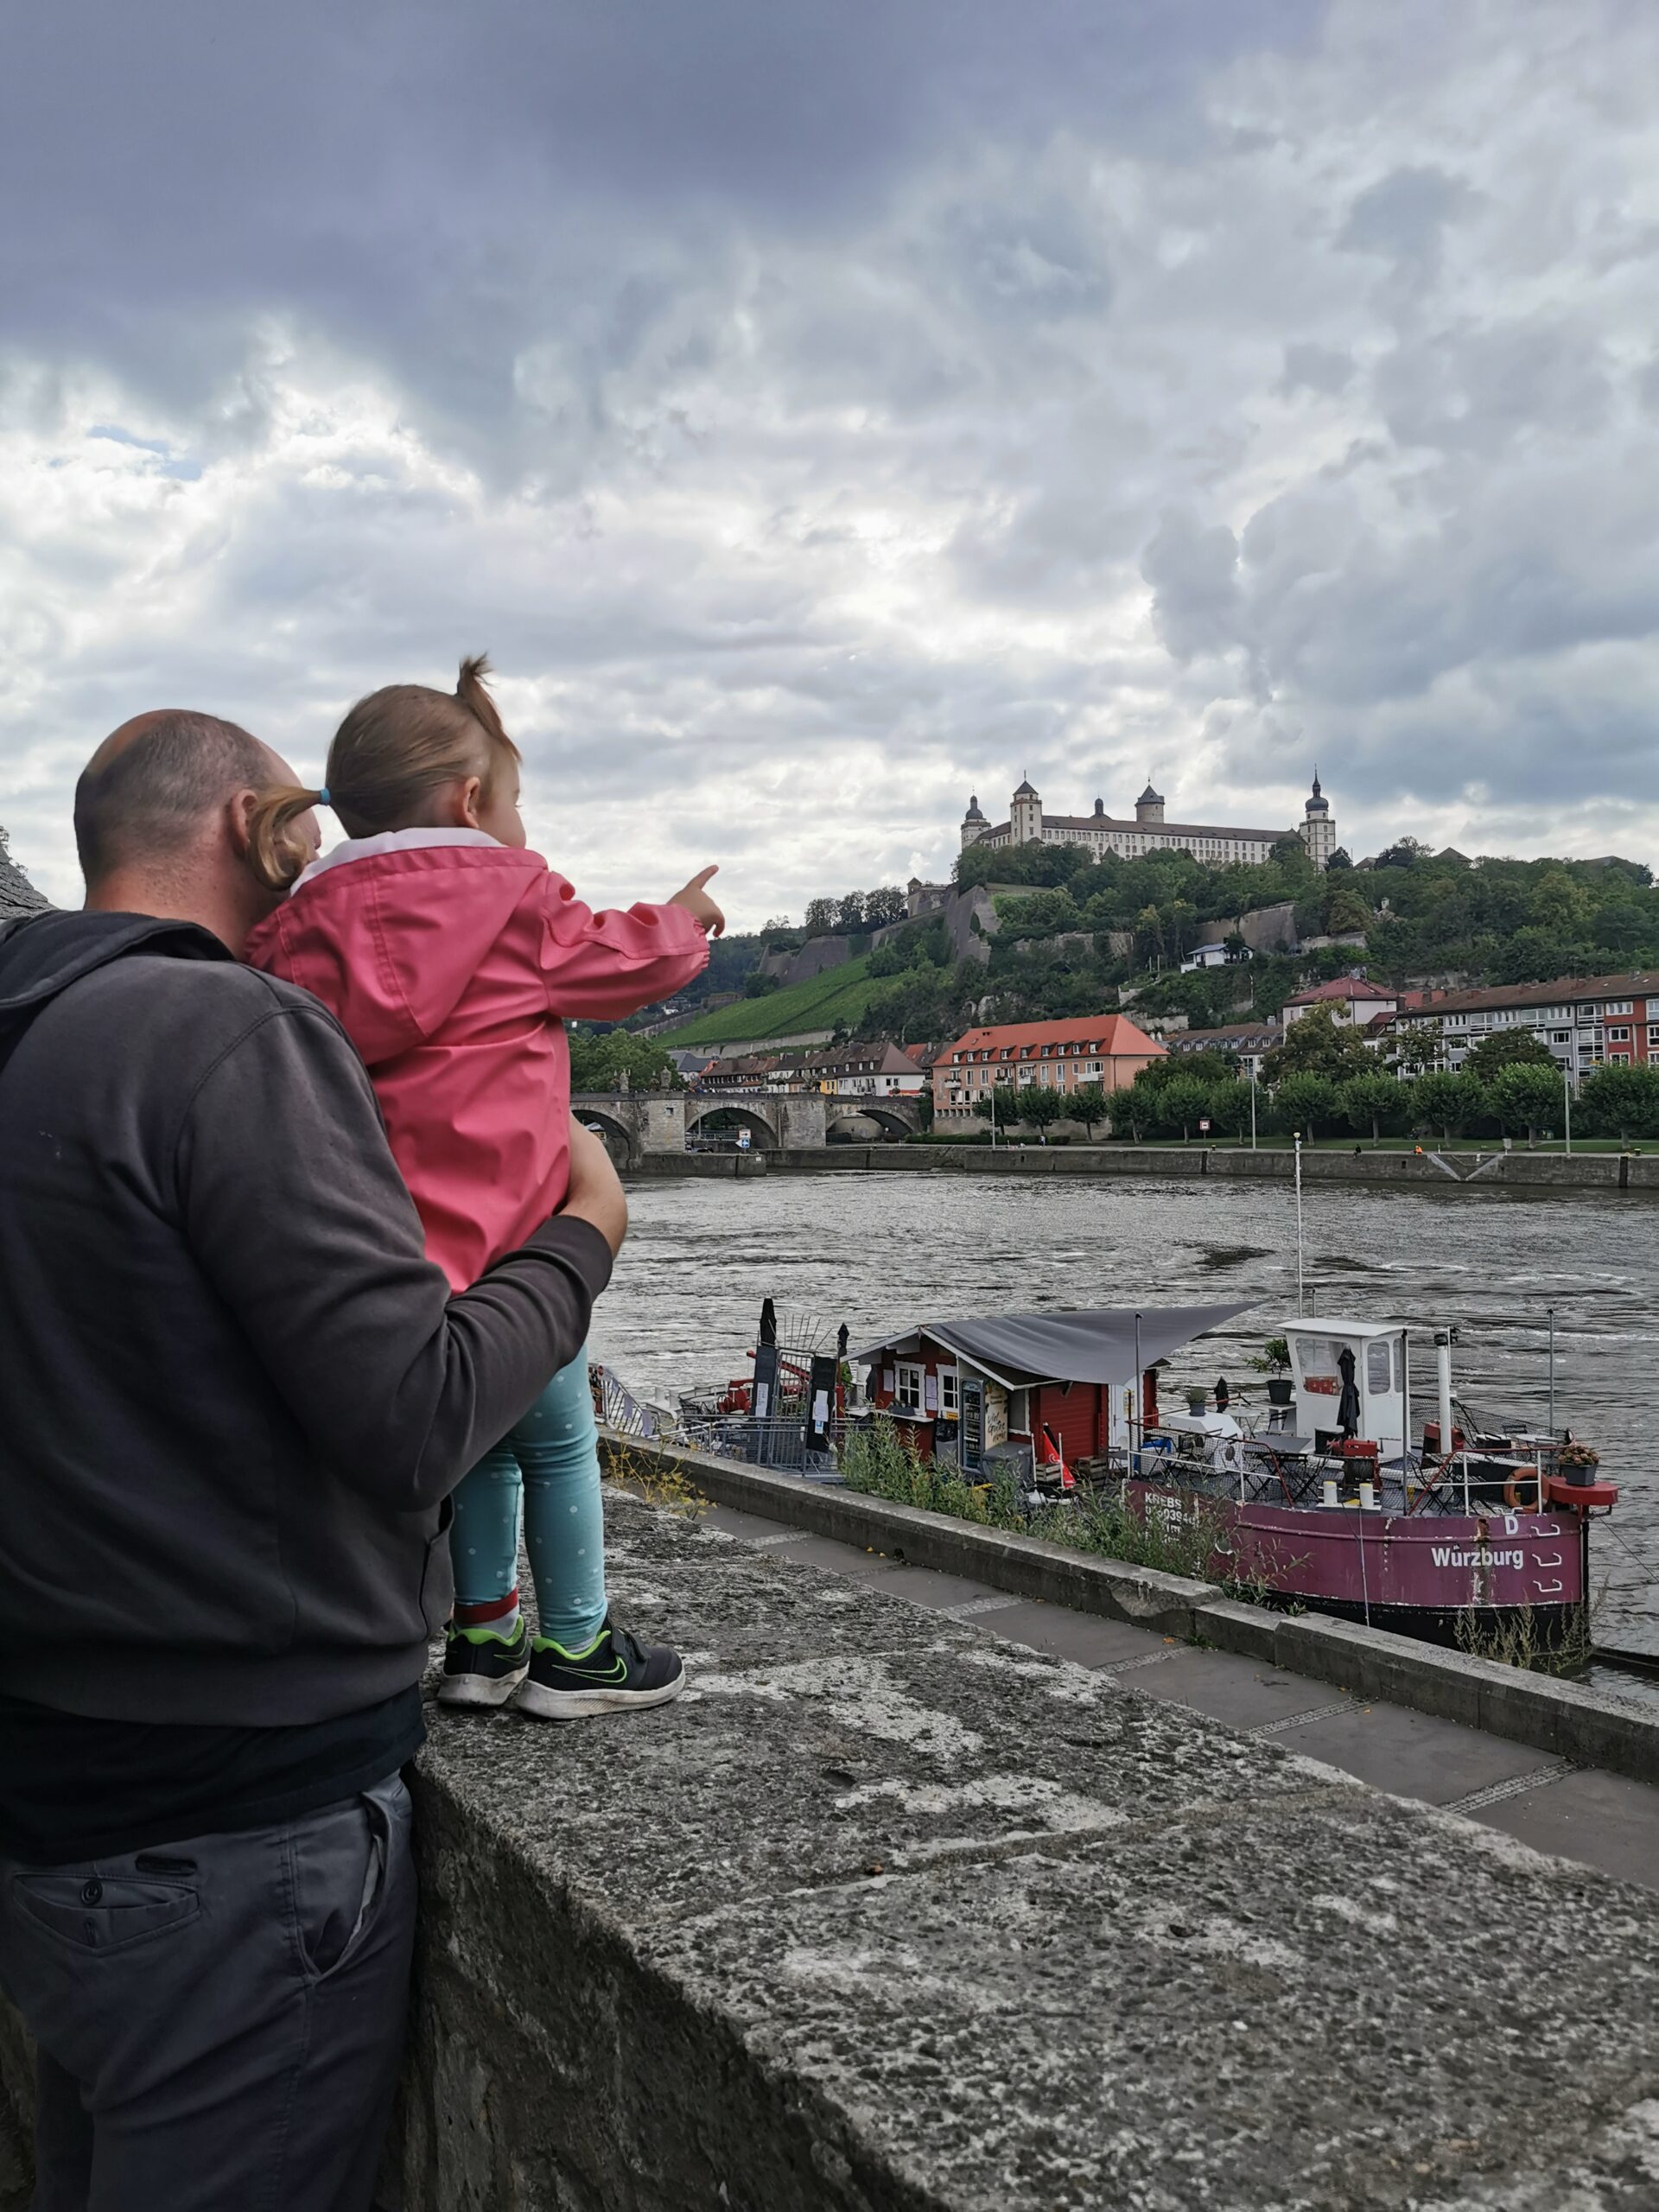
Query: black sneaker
[480, 1667]
[615, 1673]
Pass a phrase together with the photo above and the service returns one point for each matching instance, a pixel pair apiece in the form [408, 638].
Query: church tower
[1319, 829]
[1025, 816]
[974, 824]
[1149, 807]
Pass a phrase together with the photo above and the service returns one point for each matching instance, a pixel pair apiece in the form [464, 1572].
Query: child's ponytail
[473, 693]
[275, 854]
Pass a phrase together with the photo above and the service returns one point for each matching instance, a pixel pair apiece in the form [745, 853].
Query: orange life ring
[1513, 1491]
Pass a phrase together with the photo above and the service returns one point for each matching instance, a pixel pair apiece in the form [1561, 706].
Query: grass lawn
[835, 999]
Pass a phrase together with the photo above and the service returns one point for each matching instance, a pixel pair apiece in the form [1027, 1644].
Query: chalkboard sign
[970, 1449]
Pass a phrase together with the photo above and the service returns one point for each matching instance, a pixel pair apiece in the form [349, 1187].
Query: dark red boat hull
[1345, 1560]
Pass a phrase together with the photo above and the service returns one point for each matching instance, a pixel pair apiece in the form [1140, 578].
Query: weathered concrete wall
[889, 1915]
[1518, 1171]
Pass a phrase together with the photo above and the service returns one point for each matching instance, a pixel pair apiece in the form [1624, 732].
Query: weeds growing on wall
[1529, 1639]
[881, 1462]
[659, 1482]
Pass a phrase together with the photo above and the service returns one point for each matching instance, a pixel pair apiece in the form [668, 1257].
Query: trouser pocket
[341, 1860]
[90, 1911]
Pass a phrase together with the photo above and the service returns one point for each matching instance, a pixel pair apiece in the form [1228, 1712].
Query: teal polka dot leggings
[548, 1463]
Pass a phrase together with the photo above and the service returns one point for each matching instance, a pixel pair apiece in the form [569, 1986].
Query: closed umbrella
[1348, 1404]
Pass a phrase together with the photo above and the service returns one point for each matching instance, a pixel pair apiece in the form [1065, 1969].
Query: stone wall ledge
[1544, 1712]
[886, 1915]
[889, 1914]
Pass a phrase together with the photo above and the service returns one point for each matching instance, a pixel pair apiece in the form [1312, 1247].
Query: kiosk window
[1376, 1366]
[909, 1393]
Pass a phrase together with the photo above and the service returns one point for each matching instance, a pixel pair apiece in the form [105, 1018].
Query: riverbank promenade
[892, 1912]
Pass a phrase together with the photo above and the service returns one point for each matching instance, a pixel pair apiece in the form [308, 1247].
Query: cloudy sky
[821, 410]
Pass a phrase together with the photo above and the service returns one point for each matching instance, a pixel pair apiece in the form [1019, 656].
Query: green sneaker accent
[485, 1634]
[547, 1643]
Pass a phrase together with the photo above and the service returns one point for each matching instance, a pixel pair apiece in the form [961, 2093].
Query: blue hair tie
[323, 799]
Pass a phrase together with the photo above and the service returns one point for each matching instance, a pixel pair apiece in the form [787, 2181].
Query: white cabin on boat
[1379, 1349]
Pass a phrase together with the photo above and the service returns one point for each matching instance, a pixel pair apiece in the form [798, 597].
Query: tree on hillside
[1340, 859]
[1620, 1101]
[1148, 935]
[1180, 931]
[1405, 852]
[1042, 913]
[1089, 1105]
[849, 912]
[1508, 1048]
[1309, 1102]
[885, 905]
[1447, 1102]
[820, 917]
[1370, 1100]
[1525, 1096]
[1345, 911]
[1318, 1044]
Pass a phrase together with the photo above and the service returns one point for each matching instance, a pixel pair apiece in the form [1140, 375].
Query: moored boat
[1334, 1496]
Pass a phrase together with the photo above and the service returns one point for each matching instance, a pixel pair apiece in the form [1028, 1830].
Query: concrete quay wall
[889, 1914]
[1614, 1172]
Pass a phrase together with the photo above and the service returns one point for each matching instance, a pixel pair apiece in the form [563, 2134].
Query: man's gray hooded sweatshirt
[234, 1394]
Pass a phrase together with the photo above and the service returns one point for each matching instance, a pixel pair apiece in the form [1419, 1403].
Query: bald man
[234, 1398]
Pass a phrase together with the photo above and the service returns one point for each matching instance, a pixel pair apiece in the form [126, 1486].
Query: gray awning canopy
[1097, 1347]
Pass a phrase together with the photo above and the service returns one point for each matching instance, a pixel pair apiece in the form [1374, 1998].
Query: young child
[451, 956]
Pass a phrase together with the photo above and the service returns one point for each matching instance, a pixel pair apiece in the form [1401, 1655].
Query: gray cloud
[818, 413]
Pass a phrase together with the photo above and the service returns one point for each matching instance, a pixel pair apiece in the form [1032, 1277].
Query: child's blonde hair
[393, 750]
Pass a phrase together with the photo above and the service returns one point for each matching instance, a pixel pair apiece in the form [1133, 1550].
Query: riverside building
[1587, 1021]
[1102, 1048]
[1216, 844]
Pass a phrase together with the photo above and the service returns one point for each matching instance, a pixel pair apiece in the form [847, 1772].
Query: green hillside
[835, 1000]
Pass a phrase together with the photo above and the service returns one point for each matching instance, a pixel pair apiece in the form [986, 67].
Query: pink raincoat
[450, 962]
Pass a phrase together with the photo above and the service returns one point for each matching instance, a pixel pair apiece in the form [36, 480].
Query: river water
[883, 1248]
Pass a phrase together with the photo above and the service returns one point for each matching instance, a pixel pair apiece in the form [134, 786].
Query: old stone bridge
[634, 1123]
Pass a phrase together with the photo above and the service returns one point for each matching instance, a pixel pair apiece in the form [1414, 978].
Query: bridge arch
[724, 1117]
[891, 1122]
[619, 1140]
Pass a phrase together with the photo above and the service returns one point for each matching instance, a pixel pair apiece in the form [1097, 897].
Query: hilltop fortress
[1149, 833]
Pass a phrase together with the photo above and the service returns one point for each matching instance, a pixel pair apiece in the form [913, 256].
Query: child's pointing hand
[697, 903]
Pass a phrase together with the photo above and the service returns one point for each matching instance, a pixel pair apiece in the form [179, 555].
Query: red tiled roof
[1111, 1033]
[1342, 988]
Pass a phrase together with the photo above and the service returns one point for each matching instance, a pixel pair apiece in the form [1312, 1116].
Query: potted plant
[1274, 1362]
[1198, 1399]
[1578, 1462]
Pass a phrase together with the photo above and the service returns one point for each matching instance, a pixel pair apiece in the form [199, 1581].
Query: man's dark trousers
[220, 2021]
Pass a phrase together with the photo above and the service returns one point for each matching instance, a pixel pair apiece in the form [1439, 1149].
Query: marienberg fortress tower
[1212, 842]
